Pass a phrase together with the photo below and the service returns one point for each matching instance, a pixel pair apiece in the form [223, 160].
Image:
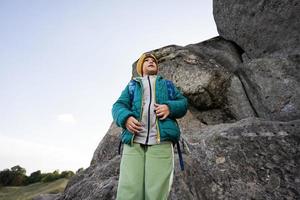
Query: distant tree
[14, 176]
[66, 174]
[19, 176]
[51, 176]
[19, 170]
[6, 177]
[34, 177]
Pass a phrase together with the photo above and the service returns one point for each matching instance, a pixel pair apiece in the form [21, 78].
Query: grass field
[29, 191]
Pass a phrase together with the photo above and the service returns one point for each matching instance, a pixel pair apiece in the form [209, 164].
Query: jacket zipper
[157, 127]
[149, 110]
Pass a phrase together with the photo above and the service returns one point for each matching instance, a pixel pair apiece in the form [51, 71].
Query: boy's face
[149, 67]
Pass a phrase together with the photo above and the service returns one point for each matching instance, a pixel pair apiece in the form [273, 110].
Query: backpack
[171, 95]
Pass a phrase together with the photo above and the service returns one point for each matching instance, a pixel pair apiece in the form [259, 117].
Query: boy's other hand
[161, 110]
[133, 125]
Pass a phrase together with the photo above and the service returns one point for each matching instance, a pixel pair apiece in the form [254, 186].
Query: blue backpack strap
[119, 149]
[171, 90]
[180, 156]
[131, 88]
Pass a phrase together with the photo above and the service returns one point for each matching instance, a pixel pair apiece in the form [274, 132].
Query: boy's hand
[133, 125]
[161, 110]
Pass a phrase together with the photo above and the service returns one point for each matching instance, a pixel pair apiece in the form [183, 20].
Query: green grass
[29, 191]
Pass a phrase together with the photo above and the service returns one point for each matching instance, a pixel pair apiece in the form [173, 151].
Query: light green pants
[146, 172]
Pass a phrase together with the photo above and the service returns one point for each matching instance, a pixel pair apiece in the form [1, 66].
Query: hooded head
[147, 64]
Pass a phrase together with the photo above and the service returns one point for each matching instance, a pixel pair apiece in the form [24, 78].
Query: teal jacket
[168, 128]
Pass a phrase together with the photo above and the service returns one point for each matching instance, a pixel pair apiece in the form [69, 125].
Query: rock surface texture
[241, 134]
[260, 27]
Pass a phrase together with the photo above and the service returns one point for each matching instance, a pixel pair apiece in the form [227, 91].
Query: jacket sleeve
[178, 106]
[121, 108]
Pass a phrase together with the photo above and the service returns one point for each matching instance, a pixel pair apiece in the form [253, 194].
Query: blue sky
[64, 63]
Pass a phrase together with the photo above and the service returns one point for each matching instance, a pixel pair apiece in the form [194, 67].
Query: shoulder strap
[119, 149]
[132, 84]
[180, 156]
[171, 89]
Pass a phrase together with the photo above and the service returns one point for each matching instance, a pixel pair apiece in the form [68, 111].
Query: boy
[150, 129]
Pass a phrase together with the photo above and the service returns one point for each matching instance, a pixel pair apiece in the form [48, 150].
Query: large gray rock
[260, 27]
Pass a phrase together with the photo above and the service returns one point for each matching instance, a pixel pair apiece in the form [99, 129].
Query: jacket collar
[139, 78]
